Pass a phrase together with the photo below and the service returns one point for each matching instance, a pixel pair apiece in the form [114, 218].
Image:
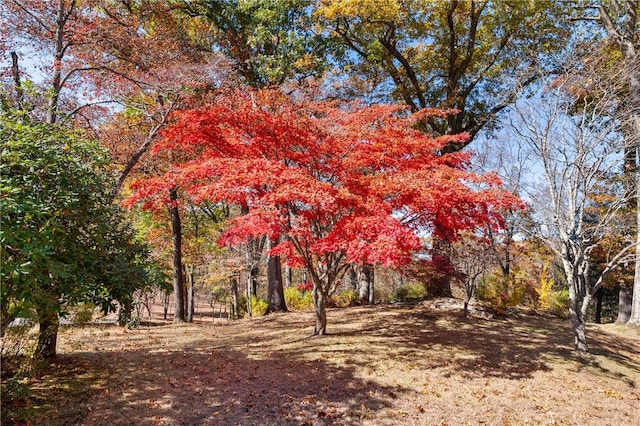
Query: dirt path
[380, 366]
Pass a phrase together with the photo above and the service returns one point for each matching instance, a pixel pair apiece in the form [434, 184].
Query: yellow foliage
[258, 306]
[370, 10]
[345, 298]
[545, 290]
[296, 300]
[502, 292]
[549, 300]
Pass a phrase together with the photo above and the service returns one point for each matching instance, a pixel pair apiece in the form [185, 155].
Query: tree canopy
[345, 184]
[469, 55]
[63, 241]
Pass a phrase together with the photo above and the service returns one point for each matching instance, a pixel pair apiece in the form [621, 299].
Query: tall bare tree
[619, 18]
[576, 148]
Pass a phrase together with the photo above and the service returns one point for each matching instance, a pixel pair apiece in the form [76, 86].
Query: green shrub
[410, 291]
[345, 298]
[82, 314]
[296, 300]
[501, 292]
[133, 322]
[258, 306]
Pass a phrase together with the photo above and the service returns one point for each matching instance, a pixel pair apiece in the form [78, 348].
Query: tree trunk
[320, 308]
[288, 271]
[253, 282]
[17, 85]
[178, 278]
[275, 289]
[135, 158]
[253, 254]
[625, 38]
[363, 292]
[635, 303]
[579, 331]
[599, 306]
[353, 278]
[366, 285]
[58, 55]
[166, 305]
[125, 310]
[48, 332]
[372, 293]
[234, 298]
[249, 293]
[442, 257]
[191, 295]
[624, 305]
[288, 276]
[632, 170]
[577, 322]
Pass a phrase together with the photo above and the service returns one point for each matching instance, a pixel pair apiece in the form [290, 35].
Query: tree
[346, 184]
[471, 56]
[472, 259]
[575, 147]
[178, 275]
[135, 57]
[620, 19]
[63, 240]
[270, 43]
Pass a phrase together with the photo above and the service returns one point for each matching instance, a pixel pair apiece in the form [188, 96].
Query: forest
[315, 212]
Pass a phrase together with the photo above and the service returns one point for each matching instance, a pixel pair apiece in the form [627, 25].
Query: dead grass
[379, 366]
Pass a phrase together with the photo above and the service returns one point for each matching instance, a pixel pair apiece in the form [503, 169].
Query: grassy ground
[380, 365]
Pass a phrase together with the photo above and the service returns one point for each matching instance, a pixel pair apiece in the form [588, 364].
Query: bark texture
[320, 308]
[178, 278]
[48, 333]
[634, 317]
[275, 288]
[191, 296]
[624, 305]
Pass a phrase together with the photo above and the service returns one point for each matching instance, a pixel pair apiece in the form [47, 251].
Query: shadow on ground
[198, 387]
[268, 371]
[511, 348]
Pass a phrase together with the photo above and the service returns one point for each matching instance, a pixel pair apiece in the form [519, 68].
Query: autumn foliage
[345, 183]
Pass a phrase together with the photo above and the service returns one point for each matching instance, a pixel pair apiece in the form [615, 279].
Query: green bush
[258, 306]
[410, 291]
[501, 292]
[297, 300]
[345, 298]
[82, 314]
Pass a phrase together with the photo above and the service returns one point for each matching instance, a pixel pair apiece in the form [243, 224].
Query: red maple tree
[345, 183]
